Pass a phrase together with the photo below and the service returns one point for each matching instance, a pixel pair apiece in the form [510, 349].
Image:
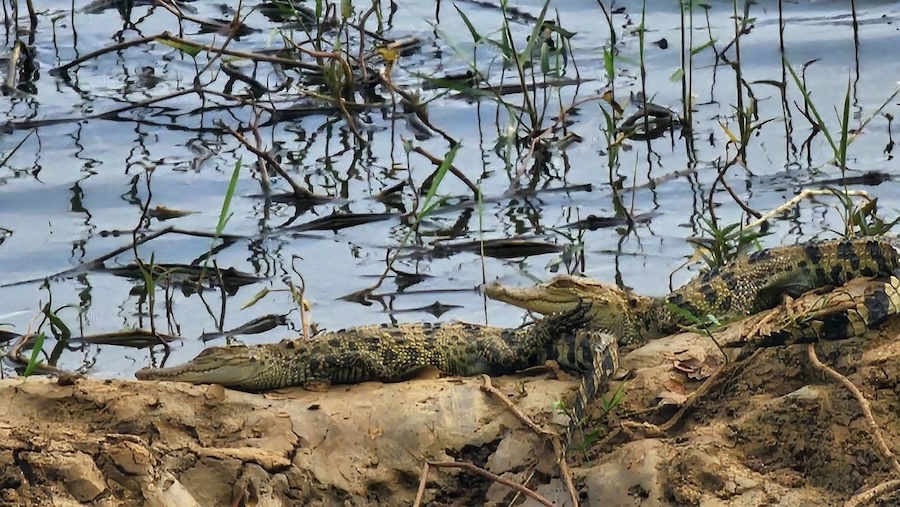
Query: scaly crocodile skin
[747, 286]
[395, 353]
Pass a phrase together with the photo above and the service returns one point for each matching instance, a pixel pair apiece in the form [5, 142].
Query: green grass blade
[35, 352]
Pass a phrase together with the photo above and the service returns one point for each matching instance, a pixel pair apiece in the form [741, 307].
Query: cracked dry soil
[775, 432]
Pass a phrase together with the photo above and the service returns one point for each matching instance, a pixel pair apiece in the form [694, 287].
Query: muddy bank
[774, 432]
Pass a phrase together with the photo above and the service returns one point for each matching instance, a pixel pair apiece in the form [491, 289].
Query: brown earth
[773, 431]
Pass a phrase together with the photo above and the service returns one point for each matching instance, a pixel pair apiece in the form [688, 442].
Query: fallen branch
[560, 452]
[168, 37]
[883, 489]
[471, 467]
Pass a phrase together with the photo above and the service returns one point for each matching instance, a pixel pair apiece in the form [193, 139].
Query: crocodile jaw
[228, 366]
[544, 299]
[563, 293]
[612, 309]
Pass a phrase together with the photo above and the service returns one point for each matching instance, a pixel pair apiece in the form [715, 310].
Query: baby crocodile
[396, 353]
[390, 354]
[746, 286]
[580, 334]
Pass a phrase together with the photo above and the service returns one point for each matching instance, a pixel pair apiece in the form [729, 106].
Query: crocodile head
[613, 309]
[236, 366]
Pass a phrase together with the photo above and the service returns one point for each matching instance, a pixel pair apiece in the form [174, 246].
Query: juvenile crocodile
[397, 353]
[391, 354]
[581, 333]
[746, 286]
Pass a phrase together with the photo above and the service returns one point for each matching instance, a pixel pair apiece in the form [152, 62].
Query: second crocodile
[743, 287]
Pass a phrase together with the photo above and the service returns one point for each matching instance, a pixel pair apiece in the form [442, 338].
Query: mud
[772, 431]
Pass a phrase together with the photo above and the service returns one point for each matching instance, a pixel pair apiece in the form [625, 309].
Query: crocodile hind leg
[848, 311]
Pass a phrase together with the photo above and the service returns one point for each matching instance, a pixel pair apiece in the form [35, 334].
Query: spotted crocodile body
[743, 287]
[396, 353]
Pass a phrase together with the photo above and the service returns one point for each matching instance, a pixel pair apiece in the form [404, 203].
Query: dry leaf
[670, 398]
[675, 386]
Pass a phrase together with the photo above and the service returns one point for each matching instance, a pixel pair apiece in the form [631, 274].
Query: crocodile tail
[877, 304]
[759, 281]
[846, 312]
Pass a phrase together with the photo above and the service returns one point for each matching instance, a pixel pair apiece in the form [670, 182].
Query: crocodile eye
[563, 283]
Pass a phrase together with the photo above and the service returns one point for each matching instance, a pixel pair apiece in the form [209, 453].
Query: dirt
[773, 431]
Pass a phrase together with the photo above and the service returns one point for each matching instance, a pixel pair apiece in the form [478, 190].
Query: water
[72, 183]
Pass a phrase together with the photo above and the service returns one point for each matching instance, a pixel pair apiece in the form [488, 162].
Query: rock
[76, 471]
[514, 452]
[634, 474]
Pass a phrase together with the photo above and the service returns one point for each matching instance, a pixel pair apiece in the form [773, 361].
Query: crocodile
[396, 353]
[745, 286]
[749, 285]
[586, 323]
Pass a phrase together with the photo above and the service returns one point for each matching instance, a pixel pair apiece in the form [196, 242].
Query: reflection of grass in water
[530, 134]
[857, 220]
[527, 117]
[726, 241]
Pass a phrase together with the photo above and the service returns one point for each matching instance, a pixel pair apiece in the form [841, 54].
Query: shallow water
[71, 183]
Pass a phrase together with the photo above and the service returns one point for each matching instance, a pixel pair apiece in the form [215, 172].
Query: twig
[63, 69]
[874, 430]
[712, 191]
[747, 209]
[537, 497]
[340, 98]
[300, 298]
[456, 172]
[106, 115]
[608, 438]
[96, 262]
[12, 64]
[32, 15]
[168, 37]
[804, 194]
[417, 107]
[423, 480]
[867, 496]
[702, 391]
[558, 449]
[299, 192]
[16, 148]
[488, 387]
